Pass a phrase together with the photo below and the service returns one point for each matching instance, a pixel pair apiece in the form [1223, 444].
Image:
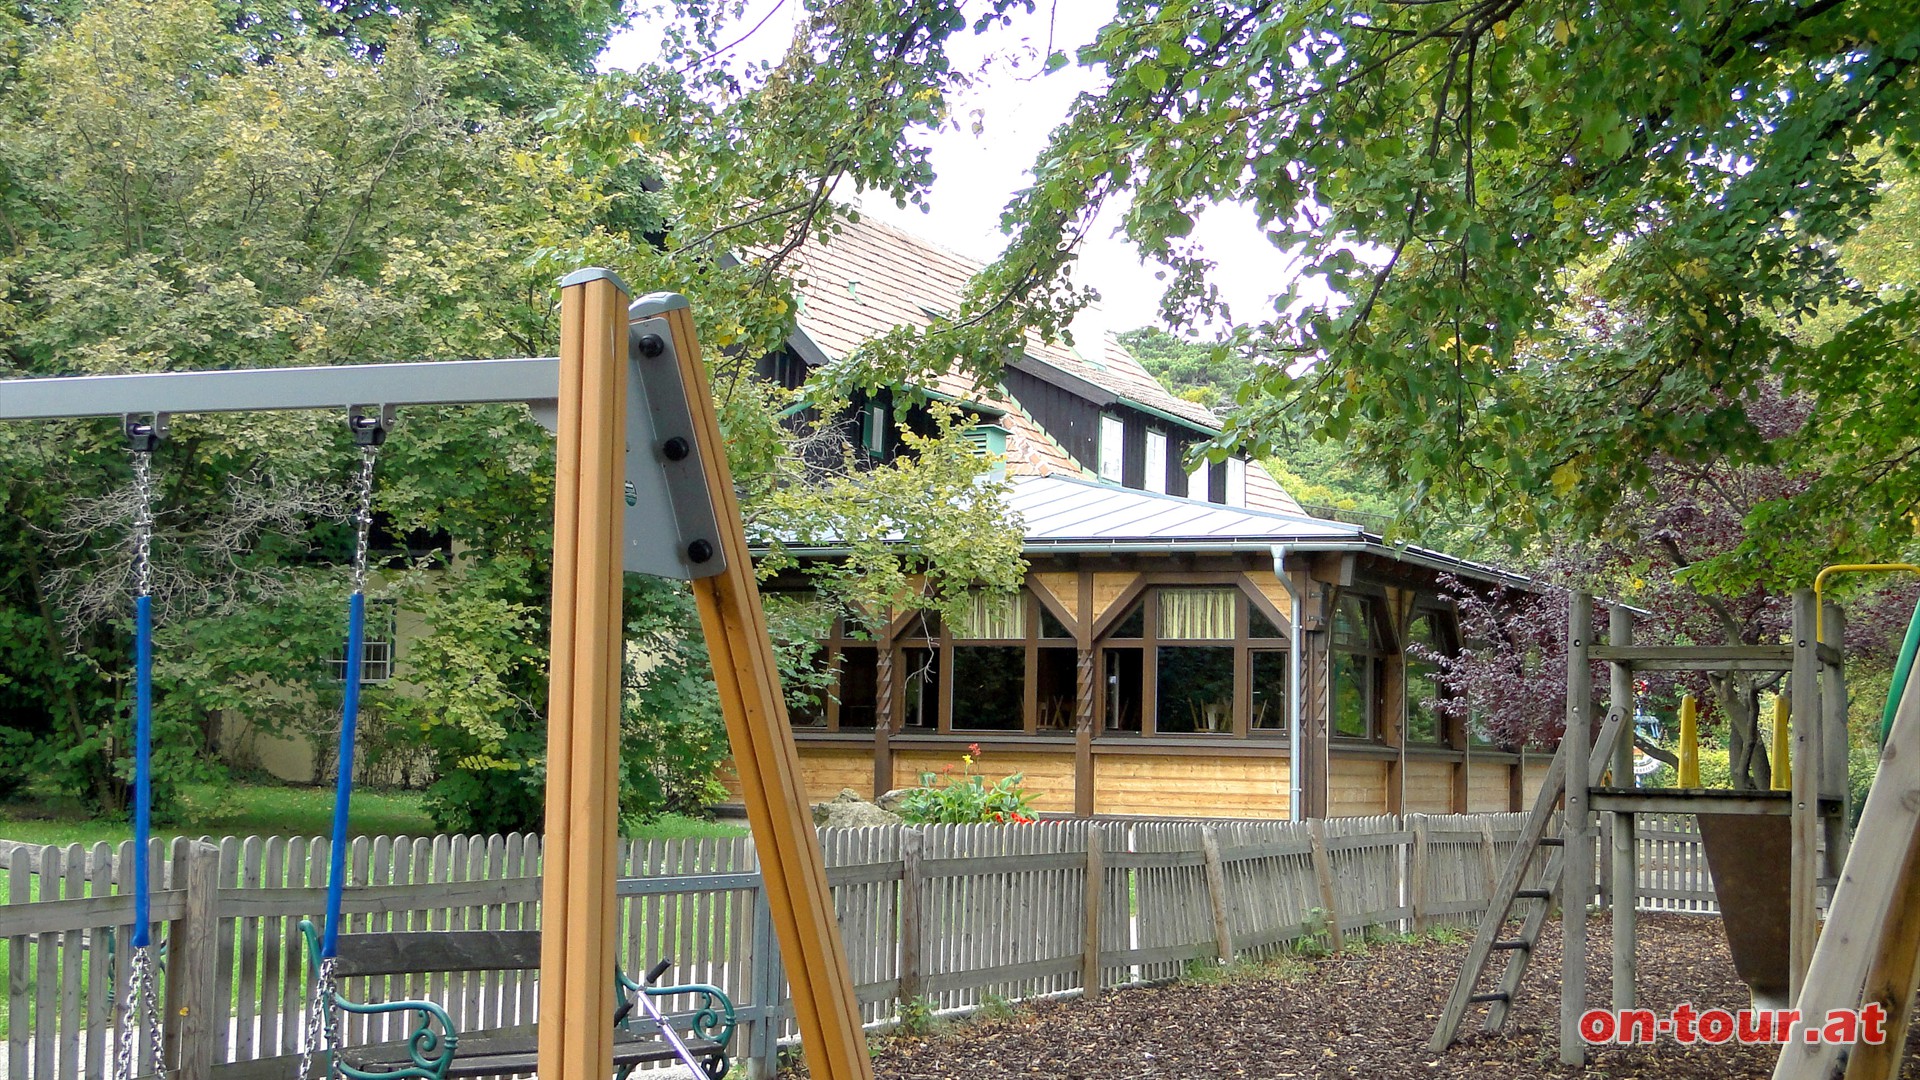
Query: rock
[890, 802]
[848, 810]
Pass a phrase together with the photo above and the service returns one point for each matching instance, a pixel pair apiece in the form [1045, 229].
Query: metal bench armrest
[430, 1044]
[714, 1017]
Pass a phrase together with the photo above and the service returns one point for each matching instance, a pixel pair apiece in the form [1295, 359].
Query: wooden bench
[434, 1050]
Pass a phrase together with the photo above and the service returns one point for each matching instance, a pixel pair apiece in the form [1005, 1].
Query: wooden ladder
[1513, 889]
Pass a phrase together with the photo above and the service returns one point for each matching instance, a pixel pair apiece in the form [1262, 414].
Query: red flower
[974, 749]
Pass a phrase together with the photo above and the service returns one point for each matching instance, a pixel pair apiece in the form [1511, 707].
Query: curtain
[1197, 614]
[994, 615]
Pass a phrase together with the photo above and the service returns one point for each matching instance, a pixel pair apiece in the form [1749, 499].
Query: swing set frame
[642, 485]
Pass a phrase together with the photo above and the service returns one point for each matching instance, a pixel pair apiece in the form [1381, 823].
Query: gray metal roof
[1056, 510]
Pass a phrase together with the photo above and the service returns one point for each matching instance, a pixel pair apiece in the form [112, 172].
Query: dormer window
[1236, 482]
[1156, 476]
[1113, 433]
[873, 428]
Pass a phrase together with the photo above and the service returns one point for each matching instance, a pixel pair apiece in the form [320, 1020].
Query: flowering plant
[963, 797]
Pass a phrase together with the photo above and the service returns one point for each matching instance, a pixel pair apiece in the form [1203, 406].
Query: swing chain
[363, 514]
[140, 994]
[142, 522]
[320, 1021]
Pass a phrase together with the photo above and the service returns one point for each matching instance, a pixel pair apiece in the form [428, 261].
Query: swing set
[642, 486]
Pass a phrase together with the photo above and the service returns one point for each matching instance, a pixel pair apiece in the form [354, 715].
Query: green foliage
[965, 798]
[917, 1017]
[1863, 763]
[17, 760]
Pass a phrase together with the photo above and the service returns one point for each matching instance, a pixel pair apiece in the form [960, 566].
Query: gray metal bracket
[671, 527]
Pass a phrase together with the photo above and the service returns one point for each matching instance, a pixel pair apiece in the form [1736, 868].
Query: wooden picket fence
[935, 918]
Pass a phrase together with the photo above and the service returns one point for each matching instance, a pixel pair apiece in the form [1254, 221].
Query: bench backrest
[405, 952]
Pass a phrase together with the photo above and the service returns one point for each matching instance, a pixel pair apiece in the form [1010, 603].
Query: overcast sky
[976, 175]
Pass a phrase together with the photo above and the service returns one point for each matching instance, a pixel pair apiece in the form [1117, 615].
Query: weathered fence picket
[942, 917]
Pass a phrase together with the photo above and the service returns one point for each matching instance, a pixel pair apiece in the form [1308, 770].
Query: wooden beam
[1576, 864]
[1804, 872]
[1868, 924]
[747, 679]
[1092, 898]
[583, 722]
[1217, 900]
[1625, 870]
[1834, 793]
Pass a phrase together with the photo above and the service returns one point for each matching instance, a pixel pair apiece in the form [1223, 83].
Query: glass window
[1198, 483]
[807, 697]
[1113, 435]
[1358, 666]
[859, 683]
[1425, 724]
[920, 677]
[1156, 478]
[873, 428]
[1051, 627]
[1133, 625]
[376, 646]
[1270, 701]
[1236, 481]
[993, 616]
[993, 682]
[1123, 670]
[1198, 614]
[1056, 675]
[1195, 689]
[1260, 626]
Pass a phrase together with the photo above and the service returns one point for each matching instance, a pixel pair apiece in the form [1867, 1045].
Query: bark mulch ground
[1366, 1014]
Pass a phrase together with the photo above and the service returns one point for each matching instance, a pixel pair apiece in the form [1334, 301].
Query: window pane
[1195, 689]
[1270, 701]
[1424, 722]
[1123, 672]
[859, 679]
[993, 682]
[1262, 627]
[1352, 623]
[1236, 481]
[920, 675]
[807, 699]
[1134, 625]
[1156, 479]
[1205, 614]
[993, 615]
[1112, 435]
[1352, 695]
[1051, 627]
[1057, 674]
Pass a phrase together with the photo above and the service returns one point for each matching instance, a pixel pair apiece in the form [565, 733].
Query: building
[1178, 635]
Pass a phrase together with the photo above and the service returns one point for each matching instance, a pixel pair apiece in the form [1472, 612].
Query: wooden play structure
[1869, 947]
[642, 485]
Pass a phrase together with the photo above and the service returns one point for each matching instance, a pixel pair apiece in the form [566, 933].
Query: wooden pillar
[1316, 700]
[1804, 718]
[194, 1004]
[1577, 856]
[885, 719]
[1624, 878]
[1093, 896]
[1833, 738]
[1086, 715]
[748, 684]
[577, 907]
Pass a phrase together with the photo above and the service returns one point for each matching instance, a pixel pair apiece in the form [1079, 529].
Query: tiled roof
[1056, 510]
[873, 277]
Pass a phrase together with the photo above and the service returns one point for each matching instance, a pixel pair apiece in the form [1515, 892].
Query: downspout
[1296, 774]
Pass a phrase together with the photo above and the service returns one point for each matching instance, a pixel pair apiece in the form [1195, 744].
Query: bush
[966, 798]
[16, 761]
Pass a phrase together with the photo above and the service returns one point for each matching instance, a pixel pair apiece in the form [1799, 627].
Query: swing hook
[370, 424]
[144, 434]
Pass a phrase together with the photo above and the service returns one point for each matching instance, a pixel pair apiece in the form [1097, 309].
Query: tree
[1455, 171]
[185, 187]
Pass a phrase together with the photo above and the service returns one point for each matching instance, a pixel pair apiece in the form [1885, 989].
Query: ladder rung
[1552, 841]
[1516, 943]
[1482, 999]
[1532, 894]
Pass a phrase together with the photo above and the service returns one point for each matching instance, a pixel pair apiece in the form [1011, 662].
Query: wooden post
[1622, 894]
[1833, 739]
[1417, 873]
[1805, 726]
[1086, 719]
[763, 1035]
[1093, 897]
[748, 684]
[913, 842]
[1217, 893]
[1489, 858]
[1577, 855]
[577, 906]
[886, 679]
[1872, 943]
[195, 1011]
[1323, 876]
